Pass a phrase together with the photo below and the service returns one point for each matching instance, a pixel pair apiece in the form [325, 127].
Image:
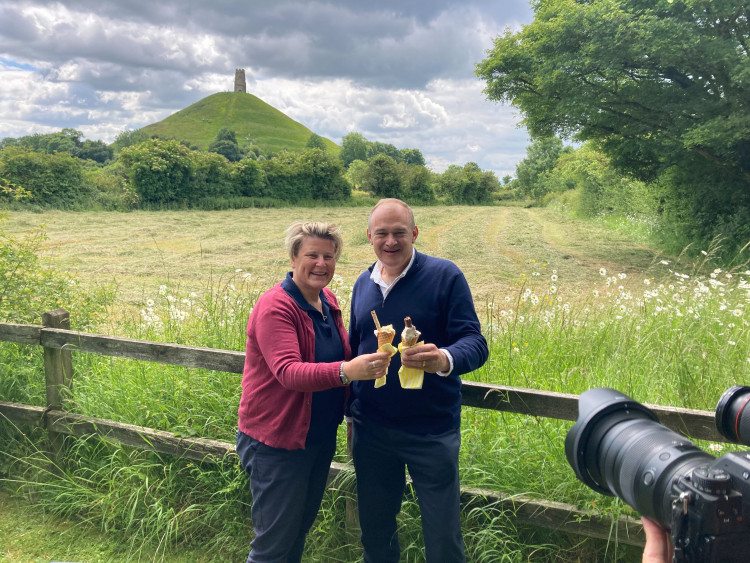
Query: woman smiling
[294, 387]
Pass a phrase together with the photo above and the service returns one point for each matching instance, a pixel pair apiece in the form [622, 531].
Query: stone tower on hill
[239, 80]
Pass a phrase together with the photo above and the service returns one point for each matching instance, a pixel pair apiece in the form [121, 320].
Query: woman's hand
[367, 366]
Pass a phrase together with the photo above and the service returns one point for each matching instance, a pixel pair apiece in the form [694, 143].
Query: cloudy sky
[396, 71]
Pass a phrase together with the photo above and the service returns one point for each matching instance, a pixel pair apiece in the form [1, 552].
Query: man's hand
[427, 357]
[659, 547]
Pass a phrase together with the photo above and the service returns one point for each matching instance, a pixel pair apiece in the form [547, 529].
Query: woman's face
[314, 265]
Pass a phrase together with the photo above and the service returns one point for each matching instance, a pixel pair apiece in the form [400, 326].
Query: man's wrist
[450, 363]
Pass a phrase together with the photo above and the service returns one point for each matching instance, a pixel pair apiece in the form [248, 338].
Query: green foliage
[353, 147]
[315, 142]
[226, 145]
[249, 179]
[129, 138]
[534, 172]
[54, 180]
[312, 174]
[97, 151]
[467, 185]
[602, 189]
[417, 185]
[382, 178]
[210, 176]
[661, 87]
[159, 171]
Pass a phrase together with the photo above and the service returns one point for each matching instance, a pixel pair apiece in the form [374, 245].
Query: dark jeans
[287, 487]
[380, 457]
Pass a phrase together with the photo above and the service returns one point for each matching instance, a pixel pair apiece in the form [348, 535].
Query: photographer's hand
[659, 548]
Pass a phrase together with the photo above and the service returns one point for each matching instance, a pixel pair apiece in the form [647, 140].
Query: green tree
[417, 183]
[412, 156]
[315, 142]
[382, 177]
[376, 148]
[249, 179]
[534, 171]
[226, 134]
[97, 151]
[353, 147]
[128, 138]
[210, 176]
[356, 172]
[661, 86]
[54, 180]
[159, 171]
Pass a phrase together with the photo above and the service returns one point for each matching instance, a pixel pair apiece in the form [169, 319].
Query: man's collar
[377, 271]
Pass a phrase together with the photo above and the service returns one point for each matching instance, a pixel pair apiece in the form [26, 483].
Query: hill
[253, 121]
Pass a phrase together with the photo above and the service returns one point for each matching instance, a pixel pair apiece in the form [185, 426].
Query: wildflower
[490, 305]
[553, 277]
[602, 272]
[171, 298]
[623, 308]
[150, 302]
[503, 313]
[507, 298]
[247, 277]
[622, 276]
[731, 343]
[230, 287]
[620, 288]
[552, 289]
[162, 290]
[737, 312]
[238, 270]
[715, 447]
[521, 318]
[596, 293]
[534, 299]
[647, 281]
[665, 262]
[193, 295]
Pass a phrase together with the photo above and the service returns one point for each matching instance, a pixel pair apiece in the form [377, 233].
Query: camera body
[711, 511]
[617, 447]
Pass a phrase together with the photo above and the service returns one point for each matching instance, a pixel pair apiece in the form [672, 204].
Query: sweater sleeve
[468, 346]
[278, 332]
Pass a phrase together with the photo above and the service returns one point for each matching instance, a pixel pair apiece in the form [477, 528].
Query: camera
[617, 447]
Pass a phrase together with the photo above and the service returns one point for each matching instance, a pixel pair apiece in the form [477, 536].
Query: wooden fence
[58, 341]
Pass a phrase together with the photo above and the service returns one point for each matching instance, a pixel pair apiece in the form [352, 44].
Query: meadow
[566, 305]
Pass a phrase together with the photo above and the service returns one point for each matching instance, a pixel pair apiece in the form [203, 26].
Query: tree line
[61, 170]
[657, 95]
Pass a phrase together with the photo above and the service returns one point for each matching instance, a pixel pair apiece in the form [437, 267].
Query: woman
[294, 387]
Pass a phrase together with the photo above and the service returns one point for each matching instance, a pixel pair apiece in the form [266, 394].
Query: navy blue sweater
[435, 294]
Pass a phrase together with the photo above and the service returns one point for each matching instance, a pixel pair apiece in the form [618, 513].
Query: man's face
[392, 237]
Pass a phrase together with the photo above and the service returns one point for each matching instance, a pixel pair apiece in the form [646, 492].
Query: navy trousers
[287, 487]
[380, 457]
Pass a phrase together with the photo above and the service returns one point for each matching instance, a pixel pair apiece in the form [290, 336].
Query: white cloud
[395, 72]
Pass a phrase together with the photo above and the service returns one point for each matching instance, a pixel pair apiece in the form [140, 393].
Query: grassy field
[566, 305]
[494, 246]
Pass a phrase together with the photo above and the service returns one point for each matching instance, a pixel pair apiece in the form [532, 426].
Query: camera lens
[733, 415]
[618, 447]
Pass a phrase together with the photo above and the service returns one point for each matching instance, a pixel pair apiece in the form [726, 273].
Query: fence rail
[59, 342]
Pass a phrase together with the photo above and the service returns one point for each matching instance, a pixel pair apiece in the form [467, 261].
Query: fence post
[58, 373]
[351, 512]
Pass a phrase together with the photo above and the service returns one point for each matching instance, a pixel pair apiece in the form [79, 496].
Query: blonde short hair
[300, 230]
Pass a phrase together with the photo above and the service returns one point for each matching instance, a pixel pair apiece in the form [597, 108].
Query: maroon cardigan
[280, 372]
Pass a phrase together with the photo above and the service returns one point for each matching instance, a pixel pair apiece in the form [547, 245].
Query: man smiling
[395, 428]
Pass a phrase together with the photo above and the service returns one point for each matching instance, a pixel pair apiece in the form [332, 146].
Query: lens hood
[733, 415]
[598, 410]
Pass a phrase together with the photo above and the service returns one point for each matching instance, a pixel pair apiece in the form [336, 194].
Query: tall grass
[668, 336]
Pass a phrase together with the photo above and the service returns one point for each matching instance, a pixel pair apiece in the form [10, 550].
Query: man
[394, 428]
